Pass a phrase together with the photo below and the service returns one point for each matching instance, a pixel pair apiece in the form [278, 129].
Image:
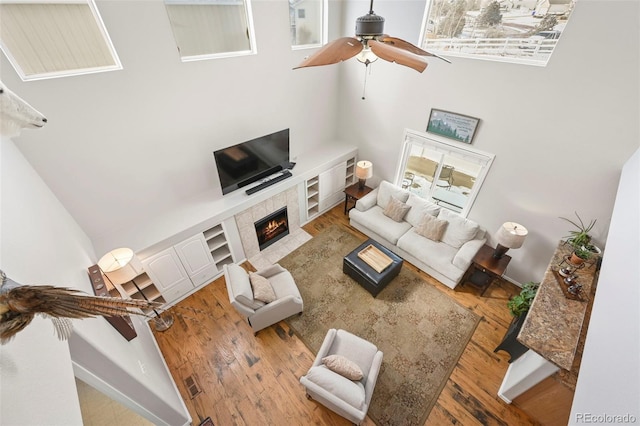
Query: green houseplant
[580, 236]
[520, 303]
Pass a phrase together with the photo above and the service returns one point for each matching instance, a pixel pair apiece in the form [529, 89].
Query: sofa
[434, 239]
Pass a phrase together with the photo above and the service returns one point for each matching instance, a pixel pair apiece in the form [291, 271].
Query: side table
[354, 193]
[485, 269]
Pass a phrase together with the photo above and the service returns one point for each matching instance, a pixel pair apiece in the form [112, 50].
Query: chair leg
[308, 396]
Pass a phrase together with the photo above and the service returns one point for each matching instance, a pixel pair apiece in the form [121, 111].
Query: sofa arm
[465, 255]
[368, 201]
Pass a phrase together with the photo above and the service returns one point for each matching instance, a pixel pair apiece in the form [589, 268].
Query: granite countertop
[554, 323]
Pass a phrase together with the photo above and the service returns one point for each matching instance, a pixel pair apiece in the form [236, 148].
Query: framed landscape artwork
[461, 128]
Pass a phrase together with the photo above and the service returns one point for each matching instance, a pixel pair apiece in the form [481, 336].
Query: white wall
[42, 244]
[122, 146]
[613, 338]
[560, 133]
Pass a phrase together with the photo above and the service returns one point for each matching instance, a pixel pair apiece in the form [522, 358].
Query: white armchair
[260, 314]
[348, 398]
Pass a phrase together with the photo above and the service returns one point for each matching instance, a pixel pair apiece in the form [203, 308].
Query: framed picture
[461, 128]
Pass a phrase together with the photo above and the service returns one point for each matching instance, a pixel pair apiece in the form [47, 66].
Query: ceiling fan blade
[333, 52]
[391, 53]
[402, 44]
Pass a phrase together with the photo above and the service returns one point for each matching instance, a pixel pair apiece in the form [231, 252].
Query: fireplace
[272, 228]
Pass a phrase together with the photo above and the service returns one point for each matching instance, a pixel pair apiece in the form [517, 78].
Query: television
[247, 162]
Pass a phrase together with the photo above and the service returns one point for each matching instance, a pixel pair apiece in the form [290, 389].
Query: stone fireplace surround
[245, 222]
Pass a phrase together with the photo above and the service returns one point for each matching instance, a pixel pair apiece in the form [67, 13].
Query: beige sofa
[446, 260]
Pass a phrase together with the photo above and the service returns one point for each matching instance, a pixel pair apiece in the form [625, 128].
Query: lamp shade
[364, 169]
[120, 265]
[511, 235]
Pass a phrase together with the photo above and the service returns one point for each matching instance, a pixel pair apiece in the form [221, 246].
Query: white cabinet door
[196, 259]
[166, 270]
[330, 185]
[194, 254]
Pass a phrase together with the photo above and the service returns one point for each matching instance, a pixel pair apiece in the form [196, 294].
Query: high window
[523, 31]
[206, 29]
[47, 39]
[443, 172]
[307, 23]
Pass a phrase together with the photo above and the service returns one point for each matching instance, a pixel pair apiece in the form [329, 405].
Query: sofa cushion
[386, 190]
[438, 256]
[339, 386]
[343, 366]
[431, 227]
[396, 209]
[420, 207]
[382, 225]
[262, 290]
[459, 230]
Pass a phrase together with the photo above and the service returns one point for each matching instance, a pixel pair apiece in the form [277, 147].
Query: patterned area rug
[421, 331]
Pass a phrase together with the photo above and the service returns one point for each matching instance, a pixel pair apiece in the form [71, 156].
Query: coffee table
[366, 275]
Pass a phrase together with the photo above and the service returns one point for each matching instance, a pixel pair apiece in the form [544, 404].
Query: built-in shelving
[312, 197]
[218, 245]
[351, 172]
[142, 288]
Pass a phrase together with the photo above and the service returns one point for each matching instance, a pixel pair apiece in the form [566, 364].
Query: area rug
[421, 331]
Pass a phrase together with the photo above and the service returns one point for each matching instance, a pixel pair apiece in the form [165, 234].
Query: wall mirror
[443, 172]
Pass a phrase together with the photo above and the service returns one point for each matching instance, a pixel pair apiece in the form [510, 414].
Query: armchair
[260, 314]
[346, 397]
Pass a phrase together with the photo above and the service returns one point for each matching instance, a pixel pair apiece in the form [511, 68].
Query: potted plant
[580, 254]
[580, 236]
[520, 303]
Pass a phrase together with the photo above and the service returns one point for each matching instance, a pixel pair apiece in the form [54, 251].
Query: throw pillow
[386, 190]
[419, 208]
[262, 289]
[431, 227]
[459, 230]
[396, 209]
[343, 366]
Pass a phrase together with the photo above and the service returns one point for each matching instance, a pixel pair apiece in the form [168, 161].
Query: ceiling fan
[369, 44]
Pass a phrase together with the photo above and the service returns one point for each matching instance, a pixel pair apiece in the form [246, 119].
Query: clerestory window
[47, 39]
[443, 172]
[523, 31]
[307, 22]
[208, 29]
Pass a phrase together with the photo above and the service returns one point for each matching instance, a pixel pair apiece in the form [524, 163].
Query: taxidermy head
[16, 114]
[19, 304]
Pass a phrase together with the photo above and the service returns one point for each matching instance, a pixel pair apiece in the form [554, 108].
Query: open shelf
[218, 246]
[351, 172]
[313, 196]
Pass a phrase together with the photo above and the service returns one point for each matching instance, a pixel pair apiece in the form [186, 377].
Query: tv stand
[282, 176]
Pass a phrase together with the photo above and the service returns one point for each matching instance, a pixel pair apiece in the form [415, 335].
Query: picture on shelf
[451, 125]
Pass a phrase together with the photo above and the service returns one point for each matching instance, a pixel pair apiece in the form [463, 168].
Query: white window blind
[44, 40]
[211, 28]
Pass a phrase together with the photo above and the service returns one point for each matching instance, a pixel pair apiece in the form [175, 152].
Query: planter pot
[576, 260]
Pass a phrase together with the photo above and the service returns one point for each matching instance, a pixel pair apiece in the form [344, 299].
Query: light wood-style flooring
[244, 379]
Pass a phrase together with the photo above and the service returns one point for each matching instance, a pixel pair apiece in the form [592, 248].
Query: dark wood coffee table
[364, 274]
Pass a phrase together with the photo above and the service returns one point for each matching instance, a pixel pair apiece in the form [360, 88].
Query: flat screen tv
[242, 164]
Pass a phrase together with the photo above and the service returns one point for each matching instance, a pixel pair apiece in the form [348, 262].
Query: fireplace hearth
[272, 228]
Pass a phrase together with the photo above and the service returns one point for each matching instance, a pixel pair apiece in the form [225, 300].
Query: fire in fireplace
[272, 228]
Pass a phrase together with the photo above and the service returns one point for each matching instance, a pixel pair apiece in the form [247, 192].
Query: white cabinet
[331, 183]
[179, 269]
[197, 260]
[166, 271]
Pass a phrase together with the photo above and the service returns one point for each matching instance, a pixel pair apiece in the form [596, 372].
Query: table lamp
[364, 170]
[121, 265]
[509, 235]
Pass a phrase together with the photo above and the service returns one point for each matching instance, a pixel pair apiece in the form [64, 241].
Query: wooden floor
[247, 380]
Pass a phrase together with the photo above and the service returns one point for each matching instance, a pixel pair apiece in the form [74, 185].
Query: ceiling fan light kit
[370, 44]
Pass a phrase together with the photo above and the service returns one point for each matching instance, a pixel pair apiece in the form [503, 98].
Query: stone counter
[554, 323]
